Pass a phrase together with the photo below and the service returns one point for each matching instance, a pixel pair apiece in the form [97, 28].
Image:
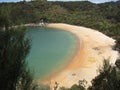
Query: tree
[41, 0]
[13, 51]
[107, 78]
[118, 16]
[118, 63]
[81, 85]
[4, 21]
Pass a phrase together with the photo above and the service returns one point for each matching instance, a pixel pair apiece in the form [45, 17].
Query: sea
[51, 50]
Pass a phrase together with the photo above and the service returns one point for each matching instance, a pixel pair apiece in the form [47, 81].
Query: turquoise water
[50, 50]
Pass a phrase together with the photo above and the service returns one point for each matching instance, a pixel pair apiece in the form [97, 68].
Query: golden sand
[94, 47]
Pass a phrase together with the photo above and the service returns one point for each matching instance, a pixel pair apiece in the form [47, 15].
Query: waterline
[50, 50]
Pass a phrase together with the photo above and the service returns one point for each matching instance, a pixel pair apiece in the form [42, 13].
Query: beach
[93, 47]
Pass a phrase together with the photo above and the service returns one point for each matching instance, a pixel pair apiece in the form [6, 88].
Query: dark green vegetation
[13, 51]
[13, 48]
[104, 17]
[108, 78]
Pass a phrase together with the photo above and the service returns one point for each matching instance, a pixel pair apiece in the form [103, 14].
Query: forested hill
[104, 17]
[68, 12]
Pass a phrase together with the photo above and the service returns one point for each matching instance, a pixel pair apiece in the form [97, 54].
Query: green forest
[104, 17]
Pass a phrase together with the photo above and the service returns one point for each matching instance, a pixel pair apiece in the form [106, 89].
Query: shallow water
[50, 50]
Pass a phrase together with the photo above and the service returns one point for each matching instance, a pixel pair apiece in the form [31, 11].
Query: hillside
[103, 17]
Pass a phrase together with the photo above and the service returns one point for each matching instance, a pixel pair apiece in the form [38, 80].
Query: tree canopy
[103, 17]
[14, 48]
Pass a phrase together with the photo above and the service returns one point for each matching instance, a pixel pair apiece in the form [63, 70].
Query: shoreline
[94, 49]
[69, 59]
[57, 77]
[88, 57]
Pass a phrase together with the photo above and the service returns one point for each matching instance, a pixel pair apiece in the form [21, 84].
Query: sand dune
[94, 47]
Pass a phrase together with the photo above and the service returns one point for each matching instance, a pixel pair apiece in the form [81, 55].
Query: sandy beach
[94, 47]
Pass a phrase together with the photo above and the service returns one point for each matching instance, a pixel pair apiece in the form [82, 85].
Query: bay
[51, 49]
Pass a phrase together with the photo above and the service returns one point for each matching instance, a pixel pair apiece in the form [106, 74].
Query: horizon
[93, 1]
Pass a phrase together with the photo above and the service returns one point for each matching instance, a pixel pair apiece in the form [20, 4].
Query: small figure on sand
[43, 21]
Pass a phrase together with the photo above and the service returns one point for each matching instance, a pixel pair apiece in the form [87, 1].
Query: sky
[94, 1]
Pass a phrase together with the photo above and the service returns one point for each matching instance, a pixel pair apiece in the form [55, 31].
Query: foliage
[103, 17]
[107, 78]
[43, 87]
[80, 86]
[13, 51]
[117, 63]
[4, 21]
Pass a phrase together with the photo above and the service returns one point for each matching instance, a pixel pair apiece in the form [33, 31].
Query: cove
[51, 49]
